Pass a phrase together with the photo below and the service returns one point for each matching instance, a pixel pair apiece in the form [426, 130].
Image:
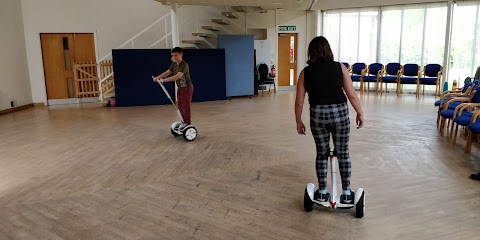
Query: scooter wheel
[307, 202]
[190, 133]
[360, 207]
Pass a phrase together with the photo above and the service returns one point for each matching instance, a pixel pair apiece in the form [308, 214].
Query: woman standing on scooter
[327, 82]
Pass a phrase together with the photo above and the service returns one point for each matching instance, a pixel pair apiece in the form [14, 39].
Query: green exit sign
[287, 28]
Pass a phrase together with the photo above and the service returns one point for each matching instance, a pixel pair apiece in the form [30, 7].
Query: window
[367, 44]
[349, 37]
[352, 34]
[331, 30]
[464, 47]
[391, 36]
[434, 42]
[413, 34]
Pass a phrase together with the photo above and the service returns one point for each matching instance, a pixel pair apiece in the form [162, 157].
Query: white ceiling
[265, 4]
[299, 4]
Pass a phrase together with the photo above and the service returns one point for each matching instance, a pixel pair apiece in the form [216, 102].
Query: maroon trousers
[184, 99]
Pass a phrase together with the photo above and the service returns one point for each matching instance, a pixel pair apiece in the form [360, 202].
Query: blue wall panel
[239, 63]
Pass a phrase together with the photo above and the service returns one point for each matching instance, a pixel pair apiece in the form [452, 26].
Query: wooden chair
[373, 74]
[390, 75]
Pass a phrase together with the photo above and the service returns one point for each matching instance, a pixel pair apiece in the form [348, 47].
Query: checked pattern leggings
[325, 120]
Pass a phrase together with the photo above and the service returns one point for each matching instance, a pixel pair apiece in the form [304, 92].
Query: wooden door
[60, 52]
[84, 47]
[55, 64]
[287, 59]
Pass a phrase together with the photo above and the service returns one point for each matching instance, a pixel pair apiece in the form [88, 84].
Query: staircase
[203, 37]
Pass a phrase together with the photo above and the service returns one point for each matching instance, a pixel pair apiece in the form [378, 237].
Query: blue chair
[358, 71]
[455, 93]
[347, 65]
[450, 114]
[373, 74]
[473, 127]
[391, 75]
[462, 117]
[466, 92]
[432, 75]
[410, 75]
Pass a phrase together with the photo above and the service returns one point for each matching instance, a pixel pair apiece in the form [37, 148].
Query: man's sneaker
[347, 199]
[321, 197]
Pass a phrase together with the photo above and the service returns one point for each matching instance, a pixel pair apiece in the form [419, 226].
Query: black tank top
[324, 83]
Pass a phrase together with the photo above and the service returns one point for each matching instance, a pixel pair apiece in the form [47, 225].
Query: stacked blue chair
[448, 113]
[473, 128]
[465, 92]
[463, 114]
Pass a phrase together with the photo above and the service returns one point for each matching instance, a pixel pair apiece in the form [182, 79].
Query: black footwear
[321, 197]
[475, 176]
[347, 199]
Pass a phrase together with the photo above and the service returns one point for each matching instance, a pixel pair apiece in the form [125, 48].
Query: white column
[379, 34]
[448, 43]
[175, 32]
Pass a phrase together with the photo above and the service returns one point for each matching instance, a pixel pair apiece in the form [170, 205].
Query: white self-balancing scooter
[334, 201]
[189, 132]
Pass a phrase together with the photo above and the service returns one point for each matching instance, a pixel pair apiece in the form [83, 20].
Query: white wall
[306, 28]
[14, 79]
[113, 21]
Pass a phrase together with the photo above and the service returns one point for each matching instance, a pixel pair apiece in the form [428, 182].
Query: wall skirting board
[16, 109]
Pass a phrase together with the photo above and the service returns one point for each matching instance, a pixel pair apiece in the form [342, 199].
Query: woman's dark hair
[319, 51]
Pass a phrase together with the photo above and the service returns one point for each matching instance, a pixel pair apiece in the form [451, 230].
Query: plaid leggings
[325, 120]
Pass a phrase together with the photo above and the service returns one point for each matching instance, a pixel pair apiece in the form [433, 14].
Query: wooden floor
[105, 173]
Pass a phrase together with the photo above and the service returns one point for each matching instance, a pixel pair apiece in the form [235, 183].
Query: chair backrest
[374, 68]
[465, 88]
[263, 71]
[393, 68]
[357, 68]
[432, 70]
[347, 65]
[476, 96]
[410, 70]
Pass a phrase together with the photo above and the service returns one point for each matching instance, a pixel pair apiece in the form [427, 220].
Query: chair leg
[451, 128]
[275, 88]
[448, 126]
[417, 92]
[442, 127]
[423, 89]
[469, 142]
[438, 119]
[454, 141]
